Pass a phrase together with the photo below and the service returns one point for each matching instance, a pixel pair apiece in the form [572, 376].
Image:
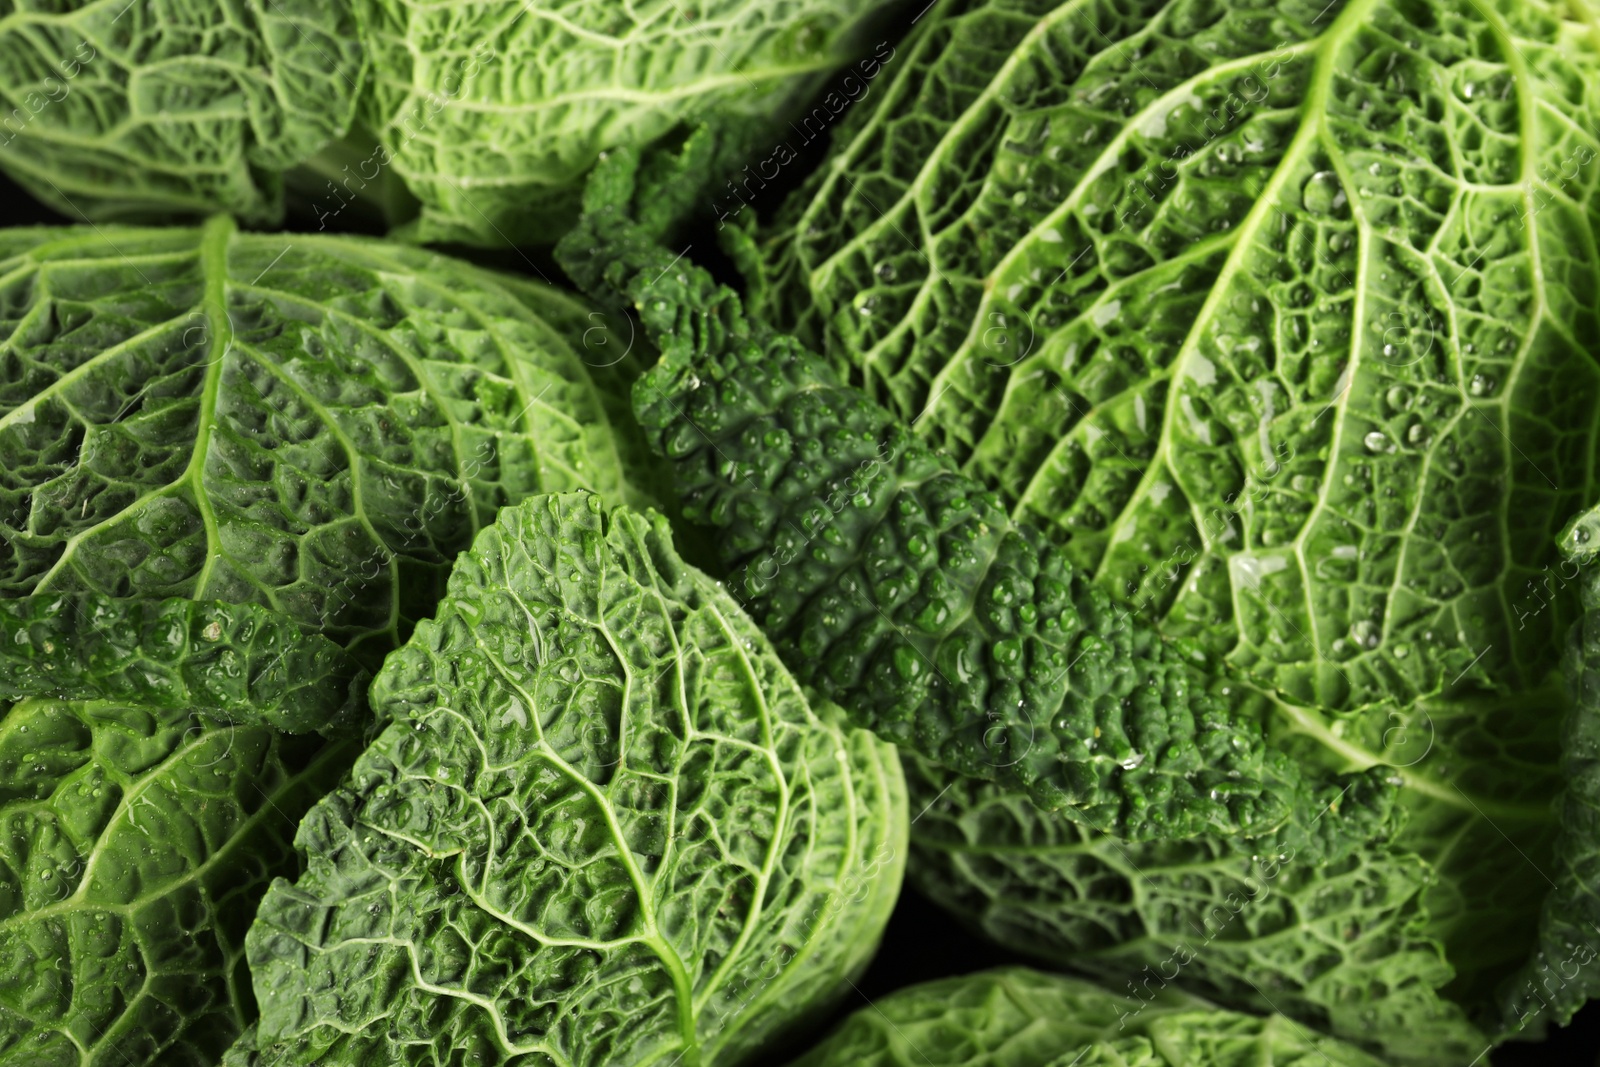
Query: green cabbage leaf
[158, 109]
[1015, 1017]
[898, 587]
[1280, 319]
[149, 789]
[600, 825]
[493, 111]
[473, 123]
[1340, 944]
[317, 425]
[1559, 978]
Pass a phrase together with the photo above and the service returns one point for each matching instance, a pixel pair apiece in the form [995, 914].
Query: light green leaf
[1280, 318]
[1342, 945]
[149, 109]
[1014, 1017]
[313, 424]
[493, 111]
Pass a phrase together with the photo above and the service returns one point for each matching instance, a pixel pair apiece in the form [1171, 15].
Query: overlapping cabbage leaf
[1280, 318]
[898, 587]
[314, 424]
[1340, 944]
[1014, 1017]
[1560, 977]
[601, 825]
[469, 122]
[493, 111]
[149, 109]
[148, 793]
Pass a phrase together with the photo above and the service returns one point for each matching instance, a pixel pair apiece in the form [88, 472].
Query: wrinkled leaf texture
[470, 123]
[1281, 319]
[600, 826]
[1015, 1017]
[897, 586]
[1561, 975]
[493, 111]
[148, 793]
[161, 108]
[313, 424]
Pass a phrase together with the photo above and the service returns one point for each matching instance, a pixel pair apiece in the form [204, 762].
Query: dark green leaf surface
[1340, 944]
[313, 424]
[601, 826]
[234, 662]
[899, 587]
[162, 108]
[1272, 313]
[1015, 1017]
[1564, 973]
[1280, 318]
[140, 821]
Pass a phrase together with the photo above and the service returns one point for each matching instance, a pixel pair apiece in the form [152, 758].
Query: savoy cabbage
[1559, 977]
[601, 825]
[1014, 1017]
[493, 111]
[1280, 319]
[307, 427]
[1342, 944]
[1156, 418]
[314, 424]
[150, 782]
[898, 587]
[162, 108]
[800, 478]
[469, 122]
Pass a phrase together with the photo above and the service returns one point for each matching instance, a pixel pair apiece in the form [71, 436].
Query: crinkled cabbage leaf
[1341, 945]
[471, 122]
[1281, 319]
[145, 110]
[493, 111]
[313, 424]
[600, 826]
[898, 586]
[1560, 977]
[1015, 1017]
[148, 793]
